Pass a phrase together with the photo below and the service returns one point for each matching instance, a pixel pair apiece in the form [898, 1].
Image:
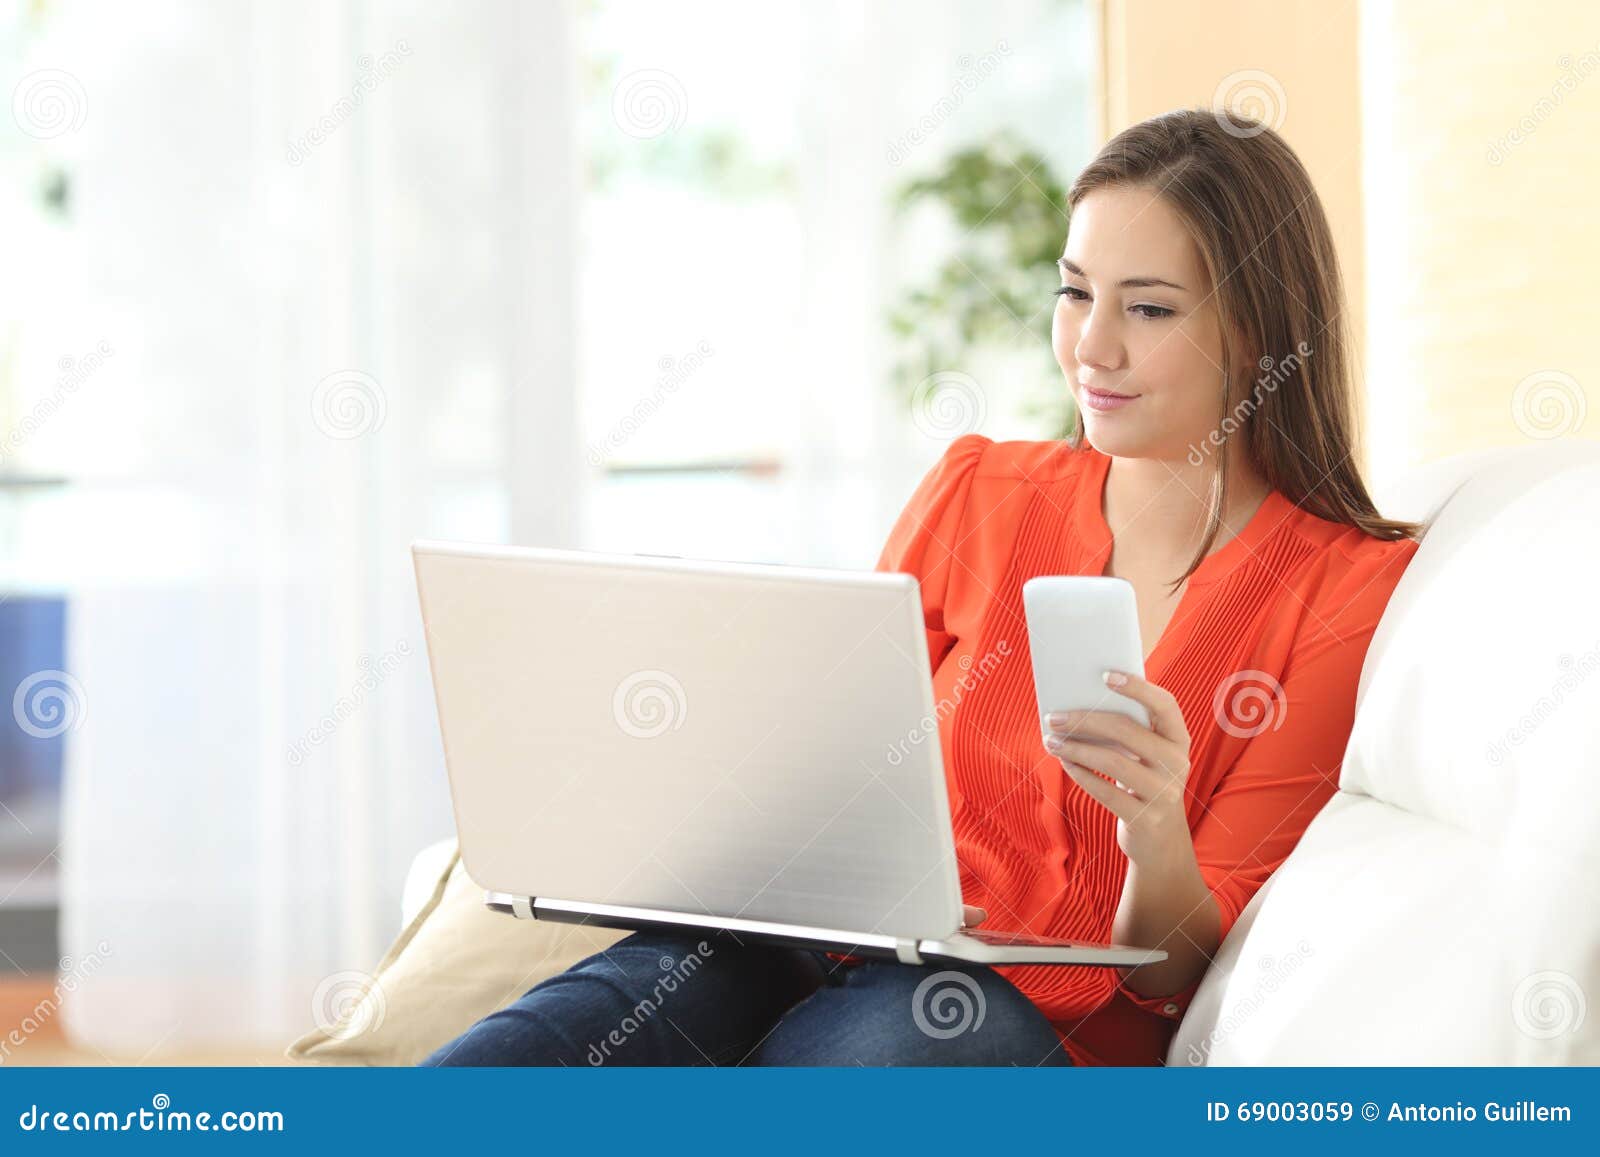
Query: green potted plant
[991, 293]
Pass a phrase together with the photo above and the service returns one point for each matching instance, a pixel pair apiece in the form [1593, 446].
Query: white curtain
[330, 245]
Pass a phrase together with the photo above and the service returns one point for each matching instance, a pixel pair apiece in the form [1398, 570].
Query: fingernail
[1055, 718]
[1115, 678]
[1052, 743]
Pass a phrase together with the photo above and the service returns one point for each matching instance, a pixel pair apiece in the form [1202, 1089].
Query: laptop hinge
[907, 952]
[522, 907]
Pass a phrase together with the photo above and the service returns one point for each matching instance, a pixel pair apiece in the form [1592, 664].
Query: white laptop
[650, 742]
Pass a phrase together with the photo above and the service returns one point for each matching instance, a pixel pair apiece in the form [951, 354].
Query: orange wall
[1482, 161]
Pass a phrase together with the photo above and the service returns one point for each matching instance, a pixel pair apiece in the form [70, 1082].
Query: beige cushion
[454, 963]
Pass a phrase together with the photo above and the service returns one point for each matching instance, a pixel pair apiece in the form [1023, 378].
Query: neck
[1156, 508]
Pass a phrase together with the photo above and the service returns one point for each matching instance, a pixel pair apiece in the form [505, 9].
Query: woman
[1200, 326]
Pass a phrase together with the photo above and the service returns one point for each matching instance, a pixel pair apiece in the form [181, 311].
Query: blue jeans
[708, 999]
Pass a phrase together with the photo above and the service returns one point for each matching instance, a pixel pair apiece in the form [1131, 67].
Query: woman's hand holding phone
[1098, 713]
[1143, 788]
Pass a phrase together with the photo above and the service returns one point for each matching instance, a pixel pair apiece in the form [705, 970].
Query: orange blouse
[1262, 654]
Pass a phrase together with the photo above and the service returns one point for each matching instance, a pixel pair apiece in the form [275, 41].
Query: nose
[1099, 344]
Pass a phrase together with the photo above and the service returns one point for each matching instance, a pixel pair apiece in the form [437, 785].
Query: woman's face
[1136, 329]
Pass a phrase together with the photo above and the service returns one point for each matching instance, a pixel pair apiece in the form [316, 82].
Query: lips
[1104, 400]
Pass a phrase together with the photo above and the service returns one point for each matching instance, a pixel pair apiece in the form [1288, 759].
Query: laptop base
[964, 946]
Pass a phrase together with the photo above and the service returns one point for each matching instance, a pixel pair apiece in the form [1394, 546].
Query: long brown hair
[1250, 206]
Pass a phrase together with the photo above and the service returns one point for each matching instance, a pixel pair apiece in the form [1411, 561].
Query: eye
[1152, 312]
[1072, 292]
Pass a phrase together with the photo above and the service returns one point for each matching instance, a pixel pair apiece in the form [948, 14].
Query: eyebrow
[1126, 282]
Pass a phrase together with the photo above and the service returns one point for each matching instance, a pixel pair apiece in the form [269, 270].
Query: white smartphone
[1080, 626]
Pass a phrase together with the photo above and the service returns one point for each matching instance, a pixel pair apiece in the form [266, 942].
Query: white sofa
[1441, 909]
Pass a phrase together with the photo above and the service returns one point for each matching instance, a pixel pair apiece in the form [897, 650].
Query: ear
[1241, 361]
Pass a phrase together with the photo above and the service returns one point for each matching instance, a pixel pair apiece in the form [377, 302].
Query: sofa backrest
[1440, 909]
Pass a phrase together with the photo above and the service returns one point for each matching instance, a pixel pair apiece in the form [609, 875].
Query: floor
[43, 1043]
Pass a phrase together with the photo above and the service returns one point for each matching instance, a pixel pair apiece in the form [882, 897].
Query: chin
[1117, 438]
[1121, 437]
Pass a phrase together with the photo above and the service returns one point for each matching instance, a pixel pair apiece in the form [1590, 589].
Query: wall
[1481, 170]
